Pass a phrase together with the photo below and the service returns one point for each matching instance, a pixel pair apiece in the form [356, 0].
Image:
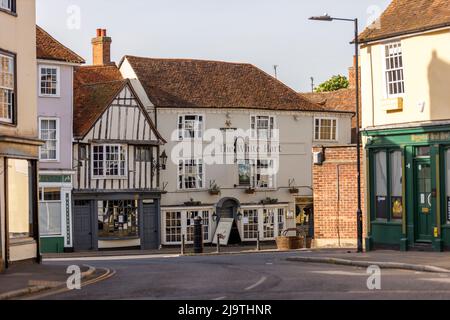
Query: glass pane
[396, 184]
[19, 191]
[381, 185]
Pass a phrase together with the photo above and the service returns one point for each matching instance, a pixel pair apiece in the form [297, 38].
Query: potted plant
[192, 203]
[285, 242]
[292, 188]
[269, 201]
[214, 189]
[250, 190]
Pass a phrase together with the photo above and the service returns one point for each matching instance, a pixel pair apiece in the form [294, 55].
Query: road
[250, 277]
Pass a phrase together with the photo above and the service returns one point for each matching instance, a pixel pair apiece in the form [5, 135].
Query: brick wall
[335, 197]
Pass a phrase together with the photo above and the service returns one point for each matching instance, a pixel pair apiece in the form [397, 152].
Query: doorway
[423, 201]
[228, 209]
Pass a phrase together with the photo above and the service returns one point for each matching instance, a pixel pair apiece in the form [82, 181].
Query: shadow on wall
[439, 84]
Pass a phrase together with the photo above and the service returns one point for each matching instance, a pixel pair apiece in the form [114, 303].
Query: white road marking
[155, 256]
[441, 280]
[340, 273]
[260, 282]
[220, 298]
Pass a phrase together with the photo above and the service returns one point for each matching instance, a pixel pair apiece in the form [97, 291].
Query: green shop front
[408, 188]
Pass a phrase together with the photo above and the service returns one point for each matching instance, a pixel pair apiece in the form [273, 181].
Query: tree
[333, 84]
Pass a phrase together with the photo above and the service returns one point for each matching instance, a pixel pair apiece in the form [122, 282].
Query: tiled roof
[95, 87]
[212, 84]
[408, 16]
[48, 48]
[340, 100]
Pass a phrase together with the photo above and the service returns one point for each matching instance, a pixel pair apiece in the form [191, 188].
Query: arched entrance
[228, 208]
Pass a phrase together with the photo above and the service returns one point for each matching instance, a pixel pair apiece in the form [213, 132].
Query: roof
[187, 83]
[340, 100]
[408, 16]
[48, 48]
[95, 87]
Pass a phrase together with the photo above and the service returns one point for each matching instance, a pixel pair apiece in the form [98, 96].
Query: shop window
[173, 226]
[388, 167]
[118, 219]
[269, 223]
[50, 211]
[280, 220]
[423, 151]
[20, 204]
[250, 224]
[180, 223]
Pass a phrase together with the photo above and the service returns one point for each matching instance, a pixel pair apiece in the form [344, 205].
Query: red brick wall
[335, 196]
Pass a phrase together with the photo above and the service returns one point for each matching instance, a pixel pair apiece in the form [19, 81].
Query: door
[268, 225]
[423, 199]
[150, 222]
[82, 226]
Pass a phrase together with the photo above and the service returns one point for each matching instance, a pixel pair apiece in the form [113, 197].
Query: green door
[424, 227]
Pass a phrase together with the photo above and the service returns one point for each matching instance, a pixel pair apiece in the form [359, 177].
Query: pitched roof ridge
[67, 48]
[187, 60]
[103, 82]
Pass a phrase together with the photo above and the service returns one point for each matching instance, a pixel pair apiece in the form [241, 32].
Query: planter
[250, 191]
[214, 192]
[294, 191]
[289, 243]
[308, 243]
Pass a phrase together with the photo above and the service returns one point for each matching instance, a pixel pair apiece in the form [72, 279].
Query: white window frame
[387, 94]
[182, 175]
[105, 176]
[184, 224]
[58, 138]
[254, 126]
[260, 214]
[12, 108]
[199, 126]
[58, 81]
[320, 128]
[7, 5]
[254, 170]
[41, 191]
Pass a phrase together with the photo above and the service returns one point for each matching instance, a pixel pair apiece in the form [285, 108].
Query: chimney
[101, 48]
[352, 74]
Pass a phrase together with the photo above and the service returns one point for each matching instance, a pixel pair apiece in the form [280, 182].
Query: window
[268, 223]
[108, 161]
[143, 154]
[388, 192]
[280, 220]
[50, 211]
[83, 152]
[20, 199]
[190, 174]
[190, 127]
[8, 5]
[325, 129]
[7, 87]
[173, 226]
[262, 127]
[263, 174]
[447, 180]
[49, 132]
[250, 224]
[395, 84]
[244, 172]
[118, 219]
[48, 81]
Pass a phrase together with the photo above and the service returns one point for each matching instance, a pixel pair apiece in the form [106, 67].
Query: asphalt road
[250, 277]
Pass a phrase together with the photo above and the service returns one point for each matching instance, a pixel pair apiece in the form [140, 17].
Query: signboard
[223, 229]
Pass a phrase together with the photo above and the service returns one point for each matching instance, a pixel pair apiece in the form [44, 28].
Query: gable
[123, 120]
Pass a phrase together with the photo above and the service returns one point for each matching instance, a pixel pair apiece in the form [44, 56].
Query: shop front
[408, 191]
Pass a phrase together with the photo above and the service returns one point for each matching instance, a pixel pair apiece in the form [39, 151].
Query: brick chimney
[101, 48]
[352, 74]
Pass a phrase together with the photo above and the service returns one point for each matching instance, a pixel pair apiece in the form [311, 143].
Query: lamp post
[359, 217]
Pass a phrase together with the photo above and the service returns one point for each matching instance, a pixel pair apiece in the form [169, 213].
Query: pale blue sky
[261, 32]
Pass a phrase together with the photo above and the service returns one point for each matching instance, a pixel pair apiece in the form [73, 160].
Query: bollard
[183, 245]
[198, 235]
[258, 245]
[218, 243]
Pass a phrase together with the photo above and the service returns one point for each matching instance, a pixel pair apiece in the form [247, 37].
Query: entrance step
[422, 246]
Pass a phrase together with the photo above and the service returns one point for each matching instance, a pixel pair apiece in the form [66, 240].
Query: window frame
[104, 175]
[255, 171]
[12, 10]
[181, 126]
[58, 82]
[320, 119]
[182, 175]
[389, 206]
[13, 120]
[254, 130]
[58, 138]
[41, 197]
[184, 227]
[387, 94]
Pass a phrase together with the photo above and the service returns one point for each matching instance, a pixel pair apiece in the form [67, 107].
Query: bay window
[394, 77]
[49, 132]
[118, 219]
[7, 87]
[388, 179]
[325, 129]
[50, 211]
[190, 174]
[108, 161]
[49, 81]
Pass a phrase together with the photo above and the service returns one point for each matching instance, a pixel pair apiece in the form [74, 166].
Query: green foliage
[333, 84]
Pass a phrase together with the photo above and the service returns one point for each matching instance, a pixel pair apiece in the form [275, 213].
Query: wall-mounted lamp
[215, 216]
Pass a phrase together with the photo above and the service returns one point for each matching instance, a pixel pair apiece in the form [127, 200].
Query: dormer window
[394, 77]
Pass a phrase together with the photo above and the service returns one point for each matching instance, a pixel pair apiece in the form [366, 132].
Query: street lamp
[359, 218]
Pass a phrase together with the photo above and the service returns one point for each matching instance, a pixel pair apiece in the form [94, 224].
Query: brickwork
[335, 197]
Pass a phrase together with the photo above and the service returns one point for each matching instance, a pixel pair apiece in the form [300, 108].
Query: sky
[261, 32]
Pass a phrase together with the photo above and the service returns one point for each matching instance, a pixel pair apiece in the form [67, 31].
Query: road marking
[260, 282]
[339, 273]
[441, 280]
[219, 298]
[118, 258]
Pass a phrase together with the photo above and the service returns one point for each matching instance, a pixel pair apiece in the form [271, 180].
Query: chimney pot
[104, 33]
[99, 32]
